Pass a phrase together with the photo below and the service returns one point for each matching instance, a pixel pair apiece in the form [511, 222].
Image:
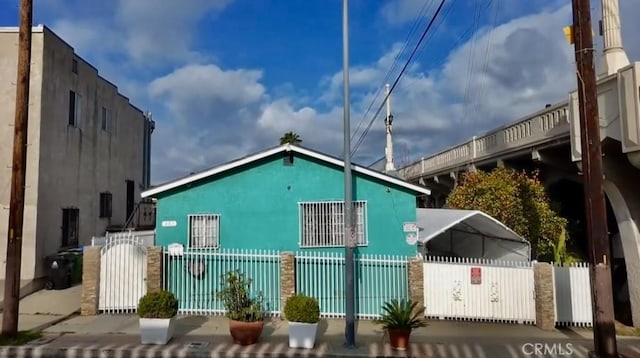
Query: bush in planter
[156, 311]
[302, 309]
[399, 318]
[246, 314]
[303, 314]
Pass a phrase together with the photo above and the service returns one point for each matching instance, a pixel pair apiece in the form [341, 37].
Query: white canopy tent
[468, 233]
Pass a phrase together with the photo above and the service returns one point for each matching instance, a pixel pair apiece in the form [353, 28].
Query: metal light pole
[349, 232]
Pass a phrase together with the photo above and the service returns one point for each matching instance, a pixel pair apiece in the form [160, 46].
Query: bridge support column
[620, 186]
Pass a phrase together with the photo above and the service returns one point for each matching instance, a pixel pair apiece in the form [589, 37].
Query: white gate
[123, 272]
[573, 295]
[479, 290]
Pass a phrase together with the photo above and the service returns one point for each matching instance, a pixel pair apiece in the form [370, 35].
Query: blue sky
[225, 78]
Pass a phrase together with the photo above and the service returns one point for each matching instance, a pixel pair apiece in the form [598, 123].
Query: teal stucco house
[286, 198]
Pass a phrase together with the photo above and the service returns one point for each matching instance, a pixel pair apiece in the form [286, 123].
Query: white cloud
[148, 33]
[529, 65]
[162, 29]
[208, 88]
[208, 113]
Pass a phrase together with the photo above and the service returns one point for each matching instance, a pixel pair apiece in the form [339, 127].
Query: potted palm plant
[157, 311]
[303, 314]
[245, 314]
[399, 318]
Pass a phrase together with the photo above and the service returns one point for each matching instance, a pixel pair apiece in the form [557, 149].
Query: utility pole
[388, 122]
[16, 204]
[604, 334]
[349, 232]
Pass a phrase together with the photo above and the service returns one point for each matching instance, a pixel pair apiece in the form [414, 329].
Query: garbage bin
[75, 258]
[58, 271]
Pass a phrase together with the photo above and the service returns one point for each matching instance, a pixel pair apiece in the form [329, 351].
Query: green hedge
[162, 304]
[303, 309]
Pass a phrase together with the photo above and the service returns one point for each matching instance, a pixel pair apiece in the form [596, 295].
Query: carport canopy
[468, 233]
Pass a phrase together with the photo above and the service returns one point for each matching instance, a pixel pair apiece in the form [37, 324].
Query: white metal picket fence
[148, 237]
[195, 275]
[123, 272]
[479, 290]
[572, 295]
[378, 279]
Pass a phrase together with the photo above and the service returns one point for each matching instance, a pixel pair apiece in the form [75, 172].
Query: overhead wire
[424, 33]
[396, 61]
[470, 68]
[406, 85]
[485, 67]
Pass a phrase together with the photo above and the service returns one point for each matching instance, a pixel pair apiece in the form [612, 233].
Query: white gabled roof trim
[283, 148]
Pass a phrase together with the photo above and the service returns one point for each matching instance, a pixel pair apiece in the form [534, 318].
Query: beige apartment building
[88, 151]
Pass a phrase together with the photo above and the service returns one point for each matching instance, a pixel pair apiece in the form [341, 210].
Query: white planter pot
[302, 335]
[156, 330]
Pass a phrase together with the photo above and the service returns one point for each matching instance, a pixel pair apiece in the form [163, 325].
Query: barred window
[204, 230]
[322, 223]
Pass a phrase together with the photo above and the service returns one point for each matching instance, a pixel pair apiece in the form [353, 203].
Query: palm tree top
[290, 138]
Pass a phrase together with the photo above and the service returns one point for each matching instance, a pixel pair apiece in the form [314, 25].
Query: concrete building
[88, 150]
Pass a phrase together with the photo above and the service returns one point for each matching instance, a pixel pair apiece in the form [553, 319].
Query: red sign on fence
[476, 276]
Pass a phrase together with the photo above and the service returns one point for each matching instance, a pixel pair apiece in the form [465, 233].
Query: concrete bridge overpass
[549, 140]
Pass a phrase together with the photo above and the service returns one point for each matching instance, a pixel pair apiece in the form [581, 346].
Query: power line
[467, 92]
[424, 33]
[476, 104]
[396, 61]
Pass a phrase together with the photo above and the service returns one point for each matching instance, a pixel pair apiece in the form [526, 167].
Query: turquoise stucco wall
[258, 206]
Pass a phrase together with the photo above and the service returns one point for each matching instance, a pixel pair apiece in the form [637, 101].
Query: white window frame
[211, 234]
[330, 216]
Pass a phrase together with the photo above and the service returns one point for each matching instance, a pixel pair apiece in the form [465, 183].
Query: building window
[74, 108]
[70, 226]
[105, 205]
[74, 66]
[105, 120]
[204, 231]
[322, 223]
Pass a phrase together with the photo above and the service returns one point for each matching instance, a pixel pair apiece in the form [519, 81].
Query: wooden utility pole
[16, 205]
[604, 333]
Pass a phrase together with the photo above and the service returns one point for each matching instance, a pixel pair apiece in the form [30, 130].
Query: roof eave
[275, 150]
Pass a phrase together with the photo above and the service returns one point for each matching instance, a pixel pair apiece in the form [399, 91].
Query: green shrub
[303, 309]
[161, 304]
[401, 315]
[237, 302]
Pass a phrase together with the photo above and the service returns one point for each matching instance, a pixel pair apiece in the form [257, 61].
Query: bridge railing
[545, 125]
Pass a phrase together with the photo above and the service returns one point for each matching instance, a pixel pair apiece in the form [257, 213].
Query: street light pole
[349, 232]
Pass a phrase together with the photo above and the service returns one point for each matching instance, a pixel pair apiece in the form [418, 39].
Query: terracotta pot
[399, 338]
[245, 333]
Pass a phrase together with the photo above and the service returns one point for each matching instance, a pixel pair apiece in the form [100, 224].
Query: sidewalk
[44, 308]
[117, 336]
